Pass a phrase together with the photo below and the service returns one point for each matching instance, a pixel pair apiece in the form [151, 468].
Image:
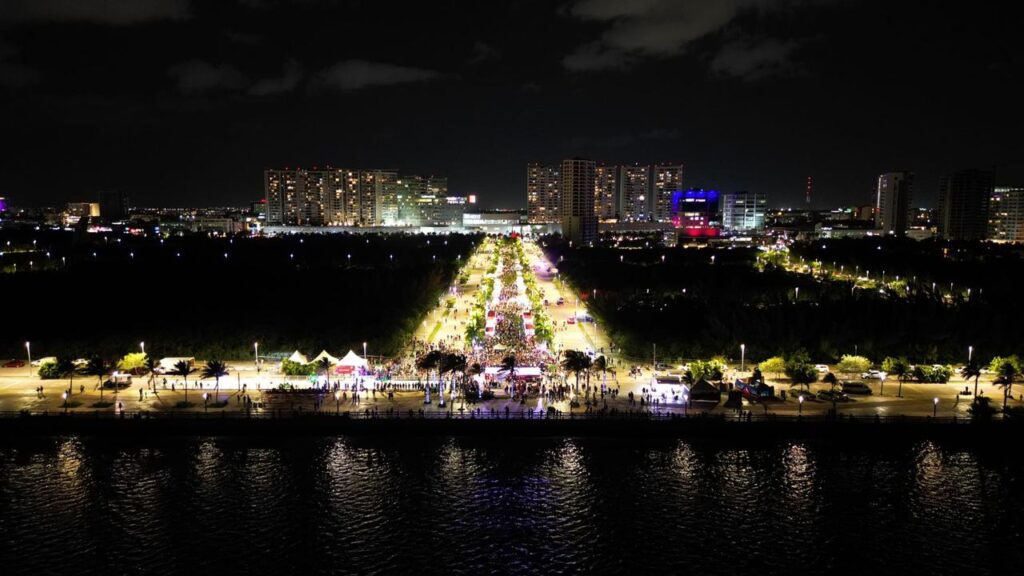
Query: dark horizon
[181, 103]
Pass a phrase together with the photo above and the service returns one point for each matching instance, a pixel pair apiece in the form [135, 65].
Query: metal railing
[482, 414]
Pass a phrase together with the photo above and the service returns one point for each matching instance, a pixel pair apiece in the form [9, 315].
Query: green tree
[215, 369]
[134, 363]
[713, 369]
[972, 370]
[183, 368]
[98, 367]
[800, 371]
[850, 364]
[775, 365]
[1006, 370]
[572, 363]
[898, 367]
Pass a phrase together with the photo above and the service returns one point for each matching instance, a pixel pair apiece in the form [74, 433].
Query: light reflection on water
[505, 505]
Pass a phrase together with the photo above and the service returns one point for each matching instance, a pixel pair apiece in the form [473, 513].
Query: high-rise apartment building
[543, 193]
[667, 181]
[1006, 214]
[579, 224]
[963, 205]
[606, 192]
[335, 196]
[744, 212]
[634, 193]
[893, 202]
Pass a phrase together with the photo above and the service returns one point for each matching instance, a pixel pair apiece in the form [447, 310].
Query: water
[519, 506]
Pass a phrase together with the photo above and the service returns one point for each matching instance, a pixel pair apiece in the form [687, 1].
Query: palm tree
[323, 366]
[426, 363]
[445, 365]
[216, 369]
[972, 370]
[572, 362]
[183, 368]
[600, 364]
[475, 369]
[151, 365]
[1006, 370]
[65, 368]
[99, 368]
[508, 368]
[899, 367]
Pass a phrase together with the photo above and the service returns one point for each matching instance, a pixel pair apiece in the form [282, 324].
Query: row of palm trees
[455, 366]
[97, 366]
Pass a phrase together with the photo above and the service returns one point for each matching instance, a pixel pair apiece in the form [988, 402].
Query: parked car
[830, 396]
[571, 320]
[855, 388]
[821, 368]
[872, 375]
[796, 393]
[14, 364]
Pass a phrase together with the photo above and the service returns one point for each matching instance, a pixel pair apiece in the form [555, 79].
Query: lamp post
[801, 399]
[256, 353]
[142, 346]
[28, 350]
[970, 353]
[743, 352]
[64, 396]
[337, 401]
[205, 405]
[935, 408]
[364, 351]
[686, 403]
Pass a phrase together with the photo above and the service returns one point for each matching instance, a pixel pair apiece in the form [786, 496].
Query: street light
[970, 353]
[801, 404]
[64, 397]
[28, 350]
[364, 350]
[256, 351]
[142, 346]
[337, 401]
[205, 407]
[743, 351]
[935, 409]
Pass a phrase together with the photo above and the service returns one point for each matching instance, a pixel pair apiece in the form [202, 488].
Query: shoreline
[440, 424]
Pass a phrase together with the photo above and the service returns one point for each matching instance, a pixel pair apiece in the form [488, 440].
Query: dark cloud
[482, 52]
[648, 28]
[200, 76]
[356, 74]
[111, 12]
[651, 29]
[753, 60]
[284, 83]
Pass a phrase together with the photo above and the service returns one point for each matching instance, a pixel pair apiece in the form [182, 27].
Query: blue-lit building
[695, 212]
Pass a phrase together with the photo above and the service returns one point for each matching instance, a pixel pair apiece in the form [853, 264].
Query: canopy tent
[323, 354]
[353, 359]
[521, 372]
[703, 391]
[351, 364]
[298, 357]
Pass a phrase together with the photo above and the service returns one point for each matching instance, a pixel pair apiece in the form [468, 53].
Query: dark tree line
[183, 296]
[693, 308]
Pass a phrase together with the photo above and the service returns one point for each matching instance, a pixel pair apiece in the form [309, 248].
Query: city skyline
[750, 95]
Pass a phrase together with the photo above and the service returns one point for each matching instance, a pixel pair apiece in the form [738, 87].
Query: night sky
[184, 102]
